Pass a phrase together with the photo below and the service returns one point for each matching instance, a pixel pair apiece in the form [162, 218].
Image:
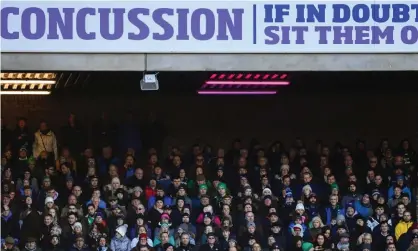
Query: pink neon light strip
[237, 92]
[274, 83]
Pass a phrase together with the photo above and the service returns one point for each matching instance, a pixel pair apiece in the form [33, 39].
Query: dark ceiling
[189, 82]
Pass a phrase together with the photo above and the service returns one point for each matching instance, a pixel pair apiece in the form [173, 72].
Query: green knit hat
[31, 160]
[221, 185]
[203, 186]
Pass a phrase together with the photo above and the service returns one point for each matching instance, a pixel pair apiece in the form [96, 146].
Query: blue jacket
[405, 189]
[167, 201]
[122, 244]
[365, 212]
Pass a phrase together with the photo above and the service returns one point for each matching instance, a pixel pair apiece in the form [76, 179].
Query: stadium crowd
[121, 194]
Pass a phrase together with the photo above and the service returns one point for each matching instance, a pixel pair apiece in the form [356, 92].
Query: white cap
[78, 224]
[122, 230]
[300, 206]
[267, 191]
[307, 187]
[49, 199]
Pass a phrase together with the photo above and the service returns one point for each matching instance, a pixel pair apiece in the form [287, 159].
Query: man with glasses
[404, 224]
[211, 243]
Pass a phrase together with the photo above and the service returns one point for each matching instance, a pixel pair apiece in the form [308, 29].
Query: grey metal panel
[72, 62]
[208, 62]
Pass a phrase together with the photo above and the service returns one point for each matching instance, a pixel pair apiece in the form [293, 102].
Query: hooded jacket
[45, 142]
[401, 228]
[123, 243]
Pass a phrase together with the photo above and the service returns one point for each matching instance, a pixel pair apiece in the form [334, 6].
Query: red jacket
[149, 192]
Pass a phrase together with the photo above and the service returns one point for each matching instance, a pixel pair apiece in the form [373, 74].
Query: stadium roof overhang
[208, 62]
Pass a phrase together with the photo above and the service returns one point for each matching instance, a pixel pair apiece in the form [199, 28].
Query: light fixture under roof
[255, 83]
[256, 76]
[18, 81]
[271, 83]
[30, 83]
[17, 92]
[28, 75]
[206, 92]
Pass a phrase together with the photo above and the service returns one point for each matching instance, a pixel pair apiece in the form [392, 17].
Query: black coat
[31, 226]
[10, 226]
[54, 248]
[206, 247]
[21, 138]
[75, 138]
[189, 247]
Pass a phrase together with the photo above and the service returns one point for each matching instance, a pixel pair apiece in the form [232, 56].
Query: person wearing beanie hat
[142, 240]
[334, 188]
[300, 211]
[221, 185]
[340, 219]
[300, 207]
[121, 241]
[78, 228]
[306, 190]
[267, 191]
[10, 244]
[297, 230]
[49, 200]
[288, 192]
[222, 191]
[251, 224]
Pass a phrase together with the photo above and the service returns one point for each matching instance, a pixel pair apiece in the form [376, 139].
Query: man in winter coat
[31, 245]
[9, 223]
[45, 140]
[9, 245]
[21, 138]
[54, 244]
[80, 245]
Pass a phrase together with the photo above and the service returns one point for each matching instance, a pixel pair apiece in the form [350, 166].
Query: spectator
[45, 141]
[21, 137]
[73, 135]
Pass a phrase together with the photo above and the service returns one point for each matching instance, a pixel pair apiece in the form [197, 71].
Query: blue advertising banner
[210, 26]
